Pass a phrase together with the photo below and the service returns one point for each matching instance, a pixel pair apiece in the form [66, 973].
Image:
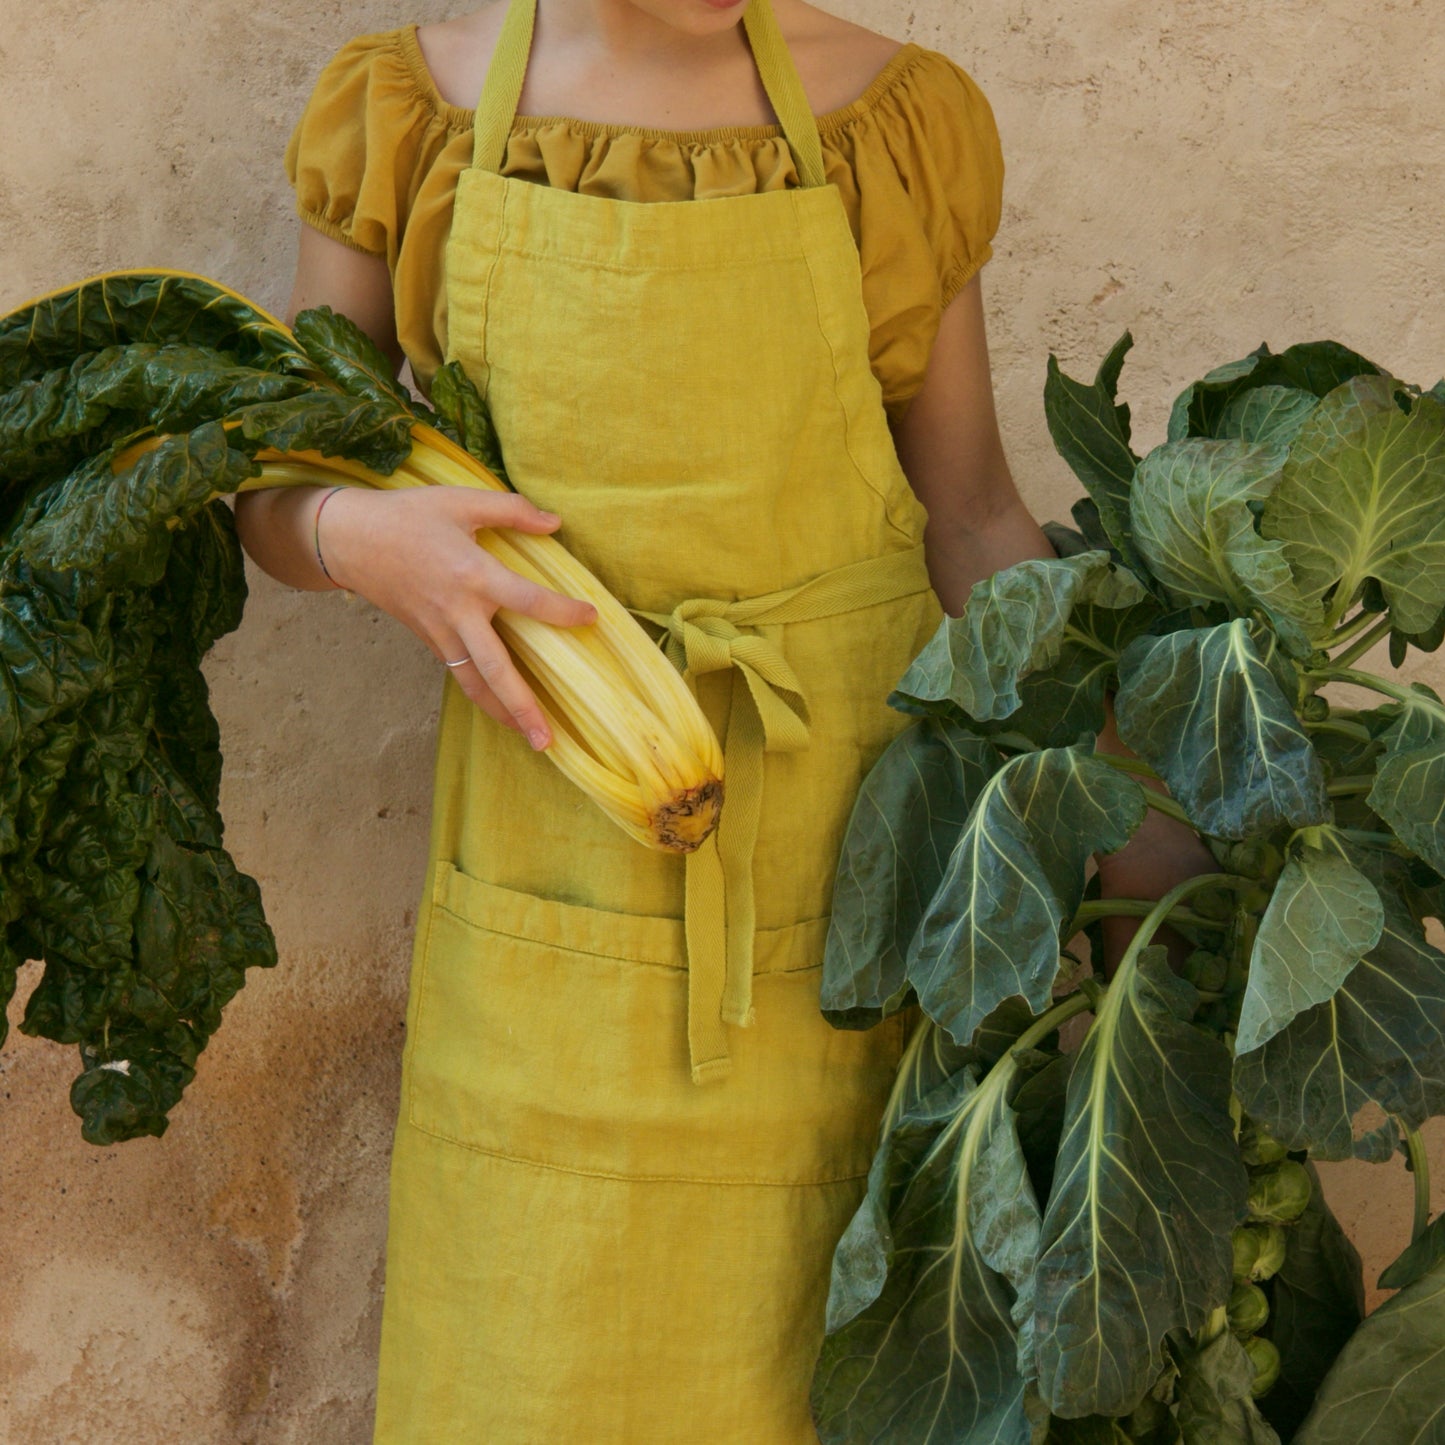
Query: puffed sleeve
[921, 170]
[364, 137]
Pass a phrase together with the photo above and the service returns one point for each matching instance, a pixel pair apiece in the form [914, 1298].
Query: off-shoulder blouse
[375, 157]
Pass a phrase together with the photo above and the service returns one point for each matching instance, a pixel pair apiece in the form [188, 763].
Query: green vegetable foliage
[1124, 1240]
[129, 406]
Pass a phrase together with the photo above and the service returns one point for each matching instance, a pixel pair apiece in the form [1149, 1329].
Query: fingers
[475, 509]
[490, 679]
[521, 594]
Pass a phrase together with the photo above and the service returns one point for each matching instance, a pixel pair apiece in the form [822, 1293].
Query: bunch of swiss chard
[129, 406]
[1124, 1240]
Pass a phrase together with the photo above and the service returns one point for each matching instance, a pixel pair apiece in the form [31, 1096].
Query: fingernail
[538, 739]
[550, 517]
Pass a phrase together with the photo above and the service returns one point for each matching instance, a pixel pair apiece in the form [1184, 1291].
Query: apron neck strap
[502, 93]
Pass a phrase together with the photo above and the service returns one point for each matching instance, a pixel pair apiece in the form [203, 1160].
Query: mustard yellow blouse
[375, 158]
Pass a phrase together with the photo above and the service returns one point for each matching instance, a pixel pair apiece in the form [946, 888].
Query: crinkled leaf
[1266, 415]
[1000, 914]
[1148, 1187]
[1091, 432]
[1191, 508]
[1322, 919]
[375, 433]
[1204, 709]
[467, 417]
[907, 818]
[119, 391]
[341, 350]
[1316, 367]
[1388, 1383]
[931, 1279]
[140, 306]
[1215, 1403]
[1421, 1257]
[116, 1103]
[1409, 788]
[117, 525]
[1316, 1301]
[1380, 1039]
[49, 661]
[1363, 496]
[1014, 624]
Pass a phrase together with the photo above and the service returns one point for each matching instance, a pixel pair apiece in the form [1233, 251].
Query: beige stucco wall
[1209, 174]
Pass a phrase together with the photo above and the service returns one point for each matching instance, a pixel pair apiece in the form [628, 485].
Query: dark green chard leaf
[1409, 788]
[141, 306]
[115, 526]
[49, 661]
[1388, 1383]
[1363, 496]
[375, 433]
[908, 817]
[466, 417]
[1148, 1171]
[1037, 622]
[1323, 918]
[929, 1315]
[112, 587]
[122, 391]
[1192, 519]
[1423, 1255]
[1000, 914]
[1209, 407]
[1204, 709]
[342, 351]
[1215, 1403]
[1091, 432]
[1317, 1299]
[1380, 1039]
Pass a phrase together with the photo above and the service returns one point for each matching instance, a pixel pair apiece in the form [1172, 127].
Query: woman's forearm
[277, 527]
[959, 554]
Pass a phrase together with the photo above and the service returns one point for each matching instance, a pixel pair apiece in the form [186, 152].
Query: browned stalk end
[683, 824]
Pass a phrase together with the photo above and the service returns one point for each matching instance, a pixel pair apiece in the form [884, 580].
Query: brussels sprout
[1315, 708]
[1207, 971]
[1246, 1244]
[1280, 1194]
[1265, 1359]
[1248, 1309]
[1258, 1148]
[1258, 1251]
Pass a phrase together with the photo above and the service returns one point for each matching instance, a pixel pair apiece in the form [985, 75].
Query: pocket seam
[704, 1179]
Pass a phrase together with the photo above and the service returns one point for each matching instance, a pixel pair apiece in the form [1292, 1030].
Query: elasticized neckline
[458, 117]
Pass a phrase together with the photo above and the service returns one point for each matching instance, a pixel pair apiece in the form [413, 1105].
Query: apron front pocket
[556, 1034]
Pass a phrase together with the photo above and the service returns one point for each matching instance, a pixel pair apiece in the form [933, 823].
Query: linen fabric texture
[377, 153]
[584, 1243]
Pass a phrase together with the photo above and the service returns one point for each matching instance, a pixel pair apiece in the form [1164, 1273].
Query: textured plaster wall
[1208, 174]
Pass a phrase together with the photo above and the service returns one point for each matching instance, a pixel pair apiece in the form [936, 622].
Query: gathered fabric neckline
[460, 117]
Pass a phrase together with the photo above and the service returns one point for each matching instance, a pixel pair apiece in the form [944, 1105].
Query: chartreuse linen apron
[628, 1139]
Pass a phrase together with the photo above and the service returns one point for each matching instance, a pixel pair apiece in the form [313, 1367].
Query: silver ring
[461, 662]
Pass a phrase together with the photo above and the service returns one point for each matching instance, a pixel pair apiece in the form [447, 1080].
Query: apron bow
[701, 638]
[769, 715]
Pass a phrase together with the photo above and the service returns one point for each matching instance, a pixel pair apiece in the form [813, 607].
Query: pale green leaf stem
[1419, 1158]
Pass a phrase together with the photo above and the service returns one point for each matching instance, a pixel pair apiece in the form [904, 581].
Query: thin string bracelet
[316, 537]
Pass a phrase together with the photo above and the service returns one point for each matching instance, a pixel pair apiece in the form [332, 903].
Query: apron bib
[628, 1139]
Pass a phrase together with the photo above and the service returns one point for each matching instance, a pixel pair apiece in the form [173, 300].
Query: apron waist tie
[770, 714]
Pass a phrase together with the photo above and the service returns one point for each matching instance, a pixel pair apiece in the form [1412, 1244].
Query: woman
[628, 1141]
